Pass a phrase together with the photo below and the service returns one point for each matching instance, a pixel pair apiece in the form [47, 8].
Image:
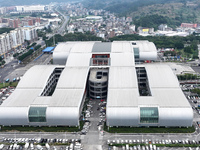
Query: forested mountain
[174, 11]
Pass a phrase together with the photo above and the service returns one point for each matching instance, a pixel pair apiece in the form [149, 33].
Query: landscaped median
[149, 129]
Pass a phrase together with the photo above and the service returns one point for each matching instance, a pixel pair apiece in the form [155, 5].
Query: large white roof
[161, 76]
[36, 77]
[125, 97]
[145, 46]
[64, 47]
[21, 97]
[122, 59]
[82, 47]
[122, 77]
[79, 59]
[170, 97]
[163, 85]
[68, 93]
[121, 47]
[73, 78]
[67, 98]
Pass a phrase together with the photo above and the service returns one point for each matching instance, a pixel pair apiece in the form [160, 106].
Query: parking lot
[14, 70]
[5, 93]
[40, 143]
[151, 144]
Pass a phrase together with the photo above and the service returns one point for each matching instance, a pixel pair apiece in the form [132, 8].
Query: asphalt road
[63, 26]
[196, 69]
[13, 69]
[66, 19]
[93, 139]
[8, 69]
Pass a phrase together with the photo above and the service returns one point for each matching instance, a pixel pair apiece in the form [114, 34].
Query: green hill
[174, 11]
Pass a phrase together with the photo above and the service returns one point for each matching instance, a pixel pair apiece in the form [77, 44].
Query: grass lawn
[42, 129]
[39, 129]
[3, 85]
[149, 130]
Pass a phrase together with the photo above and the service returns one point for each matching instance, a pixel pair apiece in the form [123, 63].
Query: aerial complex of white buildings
[137, 94]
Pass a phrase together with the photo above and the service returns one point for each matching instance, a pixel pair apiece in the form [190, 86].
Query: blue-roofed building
[48, 50]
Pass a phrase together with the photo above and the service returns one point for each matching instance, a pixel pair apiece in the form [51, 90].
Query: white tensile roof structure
[52, 95]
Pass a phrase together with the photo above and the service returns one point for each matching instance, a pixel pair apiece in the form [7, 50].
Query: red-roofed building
[188, 25]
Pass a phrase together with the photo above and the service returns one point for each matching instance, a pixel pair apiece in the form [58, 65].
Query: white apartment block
[5, 43]
[31, 8]
[2, 10]
[30, 33]
[16, 38]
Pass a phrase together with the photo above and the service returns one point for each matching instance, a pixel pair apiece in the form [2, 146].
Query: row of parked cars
[72, 146]
[102, 109]
[39, 140]
[150, 144]
[102, 115]
[186, 87]
[149, 141]
[138, 147]
[14, 79]
[190, 97]
[86, 127]
[5, 93]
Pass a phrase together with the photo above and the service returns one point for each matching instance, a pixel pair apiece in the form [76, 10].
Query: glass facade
[37, 114]
[149, 115]
[136, 53]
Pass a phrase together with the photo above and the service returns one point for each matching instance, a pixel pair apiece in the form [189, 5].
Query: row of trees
[3, 30]
[187, 76]
[23, 56]
[196, 90]
[2, 61]
[73, 37]
[32, 45]
[175, 42]
[28, 53]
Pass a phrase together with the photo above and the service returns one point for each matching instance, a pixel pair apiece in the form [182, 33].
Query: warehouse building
[137, 94]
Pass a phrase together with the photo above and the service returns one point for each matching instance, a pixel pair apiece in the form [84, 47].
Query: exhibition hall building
[138, 90]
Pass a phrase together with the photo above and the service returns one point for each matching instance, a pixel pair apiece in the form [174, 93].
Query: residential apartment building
[30, 33]
[16, 38]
